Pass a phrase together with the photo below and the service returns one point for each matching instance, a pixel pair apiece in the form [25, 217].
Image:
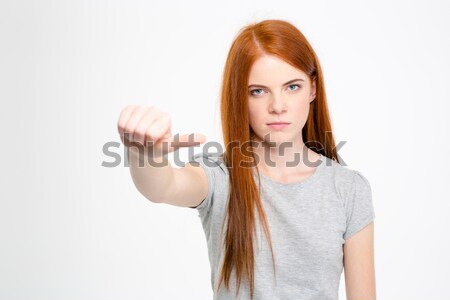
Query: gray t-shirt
[309, 222]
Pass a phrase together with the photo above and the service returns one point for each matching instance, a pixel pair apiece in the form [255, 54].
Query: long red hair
[269, 37]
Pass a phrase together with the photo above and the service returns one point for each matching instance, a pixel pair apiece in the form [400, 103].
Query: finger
[187, 140]
[134, 120]
[124, 117]
[143, 125]
[159, 128]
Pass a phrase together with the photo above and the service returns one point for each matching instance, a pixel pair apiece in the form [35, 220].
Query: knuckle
[142, 108]
[154, 110]
[130, 108]
[127, 134]
[152, 135]
[121, 124]
[138, 134]
[126, 129]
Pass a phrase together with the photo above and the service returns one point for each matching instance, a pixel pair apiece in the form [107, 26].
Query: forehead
[273, 70]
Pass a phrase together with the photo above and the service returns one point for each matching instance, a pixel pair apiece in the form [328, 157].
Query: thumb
[185, 140]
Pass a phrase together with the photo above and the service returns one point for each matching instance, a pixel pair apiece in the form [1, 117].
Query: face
[278, 92]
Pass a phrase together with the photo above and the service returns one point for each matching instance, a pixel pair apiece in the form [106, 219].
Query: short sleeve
[211, 165]
[359, 207]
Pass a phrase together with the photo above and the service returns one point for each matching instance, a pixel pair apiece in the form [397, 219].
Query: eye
[253, 94]
[297, 85]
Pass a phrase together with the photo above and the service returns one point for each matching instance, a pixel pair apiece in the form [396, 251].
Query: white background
[72, 229]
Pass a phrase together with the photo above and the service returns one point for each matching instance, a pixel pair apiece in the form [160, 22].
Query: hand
[149, 128]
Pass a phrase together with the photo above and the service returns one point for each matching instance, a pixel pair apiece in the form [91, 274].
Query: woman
[280, 175]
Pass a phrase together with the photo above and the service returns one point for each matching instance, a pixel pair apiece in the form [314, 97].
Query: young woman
[279, 175]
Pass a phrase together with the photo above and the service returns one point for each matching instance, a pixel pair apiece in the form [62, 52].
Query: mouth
[279, 123]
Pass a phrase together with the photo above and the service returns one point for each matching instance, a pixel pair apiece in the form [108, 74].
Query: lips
[278, 123]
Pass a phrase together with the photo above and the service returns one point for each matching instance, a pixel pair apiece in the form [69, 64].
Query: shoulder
[217, 179]
[211, 162]
[346, 180]
[342, 174]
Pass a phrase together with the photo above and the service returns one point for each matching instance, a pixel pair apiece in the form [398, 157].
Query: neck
[284, 158]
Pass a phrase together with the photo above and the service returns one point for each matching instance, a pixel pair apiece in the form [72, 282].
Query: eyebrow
[290, 81]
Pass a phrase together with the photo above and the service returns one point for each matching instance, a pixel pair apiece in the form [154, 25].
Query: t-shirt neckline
[305, 181]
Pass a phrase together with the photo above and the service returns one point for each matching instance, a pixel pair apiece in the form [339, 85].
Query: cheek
[252, 120]
[253, 113]
[303, 111]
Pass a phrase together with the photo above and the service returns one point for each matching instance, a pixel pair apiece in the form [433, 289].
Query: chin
[274, 137]
[277, 138]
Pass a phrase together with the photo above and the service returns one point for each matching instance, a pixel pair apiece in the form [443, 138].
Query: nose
[277, 104]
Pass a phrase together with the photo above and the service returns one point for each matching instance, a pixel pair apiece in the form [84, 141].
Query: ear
[313, 91]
